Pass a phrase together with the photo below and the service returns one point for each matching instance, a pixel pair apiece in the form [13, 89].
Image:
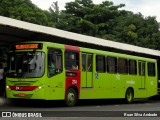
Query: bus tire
[129, 96]
[71, 97]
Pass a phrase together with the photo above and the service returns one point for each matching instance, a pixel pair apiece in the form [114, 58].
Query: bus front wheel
[71, 97]
[129, 96]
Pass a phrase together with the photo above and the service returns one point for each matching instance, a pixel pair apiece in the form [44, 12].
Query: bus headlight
[40, 87]
[7, 87]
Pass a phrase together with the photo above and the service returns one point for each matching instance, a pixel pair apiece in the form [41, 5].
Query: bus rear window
[151, 69]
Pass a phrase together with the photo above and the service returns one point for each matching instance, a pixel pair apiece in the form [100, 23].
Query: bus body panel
[15, 88]
[106, 85]
[55, 87]
[90, 83]
[73, 76]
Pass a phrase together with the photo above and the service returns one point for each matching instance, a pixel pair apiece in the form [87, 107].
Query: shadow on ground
[51, 103]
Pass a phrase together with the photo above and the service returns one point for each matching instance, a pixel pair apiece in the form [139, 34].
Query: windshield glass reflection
[26, 64]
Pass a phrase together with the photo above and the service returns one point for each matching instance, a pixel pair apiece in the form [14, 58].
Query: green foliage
[108, 21]
[82, 16]
[104, 20]
[24, 10]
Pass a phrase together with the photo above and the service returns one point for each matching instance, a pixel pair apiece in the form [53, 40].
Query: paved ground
[85, 110]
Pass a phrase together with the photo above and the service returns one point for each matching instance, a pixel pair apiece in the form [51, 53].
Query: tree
[54, 11]
[82, 16]
[104, 20]
[23, 10]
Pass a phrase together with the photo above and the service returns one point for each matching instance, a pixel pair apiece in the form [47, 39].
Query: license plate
[21, 94]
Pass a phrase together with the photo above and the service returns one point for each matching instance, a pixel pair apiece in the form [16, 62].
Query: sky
[146, 7]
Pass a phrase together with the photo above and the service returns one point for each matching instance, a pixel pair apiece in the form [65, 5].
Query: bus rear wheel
[129, 96]
[71, 97]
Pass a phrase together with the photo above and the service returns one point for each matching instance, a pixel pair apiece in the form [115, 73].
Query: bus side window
[151, 69]
[89, 63]
[71, 60]
[132, 67]
[83, 62]
[54, 61]
[111, 64]
[122, 66]
[100, 63]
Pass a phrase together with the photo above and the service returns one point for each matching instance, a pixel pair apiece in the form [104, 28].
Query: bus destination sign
[27, 46]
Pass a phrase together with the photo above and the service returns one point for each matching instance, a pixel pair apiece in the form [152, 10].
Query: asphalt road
[86, 109]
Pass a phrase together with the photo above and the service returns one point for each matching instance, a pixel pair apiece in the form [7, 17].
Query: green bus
[52, 71]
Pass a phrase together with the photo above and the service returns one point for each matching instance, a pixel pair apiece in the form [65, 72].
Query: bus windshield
[26, 64]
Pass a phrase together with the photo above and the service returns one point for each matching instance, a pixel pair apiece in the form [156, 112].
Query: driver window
[54, 61]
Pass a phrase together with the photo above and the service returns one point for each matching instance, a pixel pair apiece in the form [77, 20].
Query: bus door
[87, 70]
[141, 66]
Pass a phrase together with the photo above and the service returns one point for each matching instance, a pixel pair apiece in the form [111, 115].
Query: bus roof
[13, 31]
